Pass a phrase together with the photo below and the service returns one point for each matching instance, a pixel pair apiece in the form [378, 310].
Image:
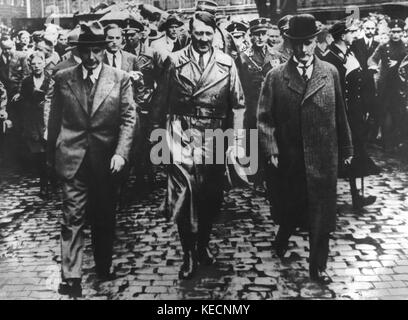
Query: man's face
[37, 66]
[134, 38]
[116, 40]
[274, 37]
[304, 49]
[349, 38]
[25, 39]
[91, 57]
[172, 31]
[44, 48]
[396, 34]
[202, 37]
[259, 38]
[63, 40]
[369, 29]
[6, 48]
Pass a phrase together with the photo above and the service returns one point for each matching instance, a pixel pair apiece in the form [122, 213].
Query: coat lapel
[78, 87]
[292, 76]
[103, 89]
[317, 81]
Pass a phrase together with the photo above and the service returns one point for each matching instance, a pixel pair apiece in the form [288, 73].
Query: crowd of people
[81, 105]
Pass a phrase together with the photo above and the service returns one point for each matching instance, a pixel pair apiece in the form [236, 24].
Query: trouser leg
[102, 216]
[319, 250]
[75, 193]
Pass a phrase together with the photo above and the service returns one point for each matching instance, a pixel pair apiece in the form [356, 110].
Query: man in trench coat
[90, 132]
[200, 91]
[303, 126]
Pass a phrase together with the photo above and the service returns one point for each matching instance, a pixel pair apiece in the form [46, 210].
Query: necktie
[89, 86]
[201, 62]
[304, 73]
[6, 59]
[114, 61]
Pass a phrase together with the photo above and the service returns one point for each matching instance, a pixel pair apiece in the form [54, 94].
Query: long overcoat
[305, 125]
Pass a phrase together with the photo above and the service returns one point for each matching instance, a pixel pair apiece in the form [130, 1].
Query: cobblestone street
[368, 259]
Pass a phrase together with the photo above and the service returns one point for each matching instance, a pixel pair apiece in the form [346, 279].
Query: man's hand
[136, 76]
[16, 98]
[348, 161]
[275, 161]
[3, 115]
[117, 164]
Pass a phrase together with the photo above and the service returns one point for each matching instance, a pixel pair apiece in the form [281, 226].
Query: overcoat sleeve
[54, 120]
[3, 99]
[266, 120]
[343, 128]
[128, 118]
[47, 102]
[237, 99]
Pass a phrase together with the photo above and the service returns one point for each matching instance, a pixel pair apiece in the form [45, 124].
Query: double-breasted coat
[305, 125]
[199, 100]
[352, 83]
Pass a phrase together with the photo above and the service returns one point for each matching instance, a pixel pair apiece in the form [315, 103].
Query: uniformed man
[392, 104]
[257, 61]
[351, 76]
[239, 30]
[285, 48]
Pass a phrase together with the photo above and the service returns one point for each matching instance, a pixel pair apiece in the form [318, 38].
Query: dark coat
[65, 64]
[108, 130]
[34, 103]
[352, 85]
[306, 126]
[254, 67]
[369, 92]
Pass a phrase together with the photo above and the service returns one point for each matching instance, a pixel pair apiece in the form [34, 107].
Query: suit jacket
[363, 53]
[129, 61]
[108, 130]
[65, 64]
[18, 71]
[215, 93]
[305, 125]
[3, 97]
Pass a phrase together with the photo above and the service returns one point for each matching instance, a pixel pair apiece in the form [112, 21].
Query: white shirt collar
[118, 59]
[95, 73]
[368, 41]
[309, 65]
[206, 56]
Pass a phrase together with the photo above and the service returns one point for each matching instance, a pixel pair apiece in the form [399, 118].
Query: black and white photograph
[220, 152]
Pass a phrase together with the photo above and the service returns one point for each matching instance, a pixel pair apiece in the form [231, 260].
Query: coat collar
[296, 83]
[104, 86]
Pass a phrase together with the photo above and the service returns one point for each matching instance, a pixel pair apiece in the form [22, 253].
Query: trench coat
[195, 99]
[35, 103]
[306, 126]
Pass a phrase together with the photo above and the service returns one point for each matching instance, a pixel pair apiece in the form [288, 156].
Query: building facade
[13, 9]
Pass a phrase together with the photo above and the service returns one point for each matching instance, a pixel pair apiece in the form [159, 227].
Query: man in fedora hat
[90, 132]
[386, 60]
[303, 126]
[171, 41]
[200, 91]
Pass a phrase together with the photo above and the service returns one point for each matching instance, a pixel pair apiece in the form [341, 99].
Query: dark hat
[133, 26]
[91, 34]
[73, 37]
[171, 20]
[237, 28]
[283, 23]
[339, 27]
[396, 23]
[259, 24]
[207, 18]
[154, 35]
[207, 5]
[302, 27]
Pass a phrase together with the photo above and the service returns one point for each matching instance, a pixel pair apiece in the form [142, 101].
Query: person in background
[322, 43]
[3, 119]
[284, 49]
[62, 43]
[239, 30]
[52, 58]
[36, 91]
[274, 36]
[24, 42]
[71, 58]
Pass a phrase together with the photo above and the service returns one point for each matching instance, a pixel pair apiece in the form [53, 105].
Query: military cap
[236, 28]
[396, 24]
[207, 5]
[259, 24]
[133, 26]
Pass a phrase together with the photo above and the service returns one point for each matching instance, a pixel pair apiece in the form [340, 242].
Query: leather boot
[190, 260]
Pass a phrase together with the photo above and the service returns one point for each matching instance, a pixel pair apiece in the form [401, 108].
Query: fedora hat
[91, 34]
[171, 20]
[302, 27]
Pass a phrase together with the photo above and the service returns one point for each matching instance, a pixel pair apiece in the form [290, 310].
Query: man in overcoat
[90, 131]
[302, 127]
[200, 91]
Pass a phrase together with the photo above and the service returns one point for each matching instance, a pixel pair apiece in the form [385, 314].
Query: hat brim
[287, 35]
[166, 25]
[255, 29]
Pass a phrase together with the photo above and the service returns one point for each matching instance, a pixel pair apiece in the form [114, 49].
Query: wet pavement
[368, 258]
